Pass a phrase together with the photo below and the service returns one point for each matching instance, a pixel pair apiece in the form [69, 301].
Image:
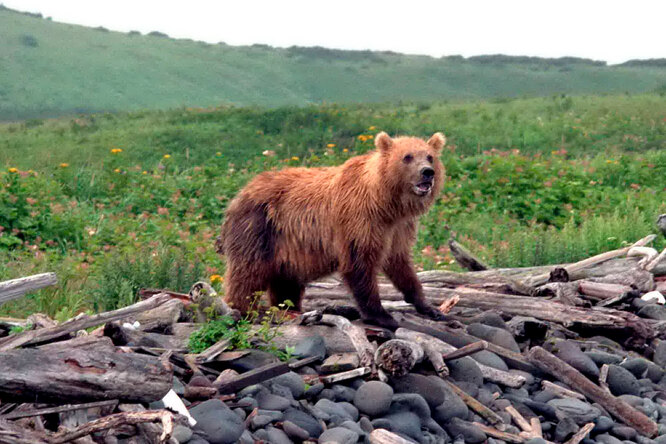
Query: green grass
[530, 181]
[53, 69]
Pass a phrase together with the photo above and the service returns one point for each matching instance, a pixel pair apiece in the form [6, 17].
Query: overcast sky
[609, 30]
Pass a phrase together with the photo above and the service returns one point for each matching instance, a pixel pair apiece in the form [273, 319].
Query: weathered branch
[117, 419]
[15, 288]
[79, 323]
[559, 369]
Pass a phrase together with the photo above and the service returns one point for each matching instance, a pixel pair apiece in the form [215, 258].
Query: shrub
[29, 40]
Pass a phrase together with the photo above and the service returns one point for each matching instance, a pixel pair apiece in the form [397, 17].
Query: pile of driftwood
[93, 378]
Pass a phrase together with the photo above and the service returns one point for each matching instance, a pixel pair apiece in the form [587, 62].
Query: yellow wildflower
[64, 165]
[216, 278]
[345, 150]
[372, 128]
[294, 158]
[167, 156]
[116, 151]
[117, 170]
[145, 172]
[13, 170]
[331, 145]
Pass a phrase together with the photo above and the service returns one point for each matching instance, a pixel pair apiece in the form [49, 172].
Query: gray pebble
[373, 398]
[338, 435]
[295, 432]
[622, 382]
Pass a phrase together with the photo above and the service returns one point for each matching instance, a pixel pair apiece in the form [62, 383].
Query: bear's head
[412, 168]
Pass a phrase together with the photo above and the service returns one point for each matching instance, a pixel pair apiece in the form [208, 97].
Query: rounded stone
[294, 431]
[603, 424]
[304, 421]
[333, 409]
[338, 435]
[314, 390]
[465, 369]
[497, 336]
[468, 431]
[433, 390]
[452, 407]
[343, 393]
[623, 432]
[572, 355]
[218, 422]
[310, 346]
[406, 422]
[600, 358]
[490, 359]
[269, 401]
[653, 311]
[564, 429]
[637, 366]
[410, 402]
[181, 433]
[293, 381]
[277, 436]
[605, 438]
[659, 357]
[373, 398]
[579, 411]
[622, 382]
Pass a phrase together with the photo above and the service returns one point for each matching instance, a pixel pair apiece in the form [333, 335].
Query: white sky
[609, 30]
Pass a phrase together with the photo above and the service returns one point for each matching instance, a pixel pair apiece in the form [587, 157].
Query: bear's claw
[431, 313]
[382, 320]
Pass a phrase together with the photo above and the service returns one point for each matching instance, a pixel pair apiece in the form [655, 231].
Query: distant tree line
[654, 63]
[526, 60]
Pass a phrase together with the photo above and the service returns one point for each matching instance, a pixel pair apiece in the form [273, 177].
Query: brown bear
[287, 228]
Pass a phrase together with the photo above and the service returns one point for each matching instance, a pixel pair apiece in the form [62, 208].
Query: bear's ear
[437, 141]
[383, 142]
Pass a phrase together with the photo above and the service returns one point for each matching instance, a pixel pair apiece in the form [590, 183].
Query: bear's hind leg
[281, 289]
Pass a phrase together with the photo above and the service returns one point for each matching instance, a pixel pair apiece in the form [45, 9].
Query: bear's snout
[427, 172]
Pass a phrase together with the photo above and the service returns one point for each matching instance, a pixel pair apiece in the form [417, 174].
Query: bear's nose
[427, 172]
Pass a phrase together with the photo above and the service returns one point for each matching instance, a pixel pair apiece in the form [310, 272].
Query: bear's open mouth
[423, 188]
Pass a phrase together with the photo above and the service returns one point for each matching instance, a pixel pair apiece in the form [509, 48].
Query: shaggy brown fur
[287, 228]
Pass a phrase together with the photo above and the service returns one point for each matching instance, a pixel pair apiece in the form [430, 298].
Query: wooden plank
[15, 288]
[255, 376]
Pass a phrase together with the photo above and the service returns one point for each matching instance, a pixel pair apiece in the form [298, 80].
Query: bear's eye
[408, 158]
[429, 158]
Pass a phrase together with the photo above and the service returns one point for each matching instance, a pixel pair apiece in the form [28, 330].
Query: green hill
[50, 69]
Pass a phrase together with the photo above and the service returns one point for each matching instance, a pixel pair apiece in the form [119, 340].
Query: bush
[29, 40]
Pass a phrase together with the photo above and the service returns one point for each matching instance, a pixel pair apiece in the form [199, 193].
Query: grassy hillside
[52, 69]
[115, 202]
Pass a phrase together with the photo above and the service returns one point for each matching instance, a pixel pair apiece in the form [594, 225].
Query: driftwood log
[465, 258]
[620, 322]
[489, 373]
[554, 366]
[356, 336]
[79, 323]
[16, 288]
[81, 374]
[397, 357]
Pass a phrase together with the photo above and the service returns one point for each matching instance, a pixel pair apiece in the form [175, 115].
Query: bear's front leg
[361, 277]
[400, 271]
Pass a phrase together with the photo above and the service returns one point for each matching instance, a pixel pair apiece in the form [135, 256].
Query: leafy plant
[253, 330]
